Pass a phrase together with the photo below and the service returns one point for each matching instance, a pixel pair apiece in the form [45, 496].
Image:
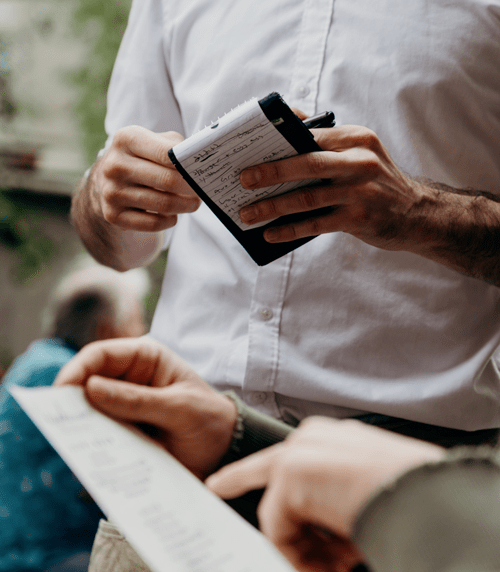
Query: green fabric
[438, 517]
[254, 431]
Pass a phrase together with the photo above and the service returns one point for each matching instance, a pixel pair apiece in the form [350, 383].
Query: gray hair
[90, 295]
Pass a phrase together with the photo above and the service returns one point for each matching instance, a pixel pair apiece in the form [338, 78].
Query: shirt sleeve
[437, 517]
[140, 90]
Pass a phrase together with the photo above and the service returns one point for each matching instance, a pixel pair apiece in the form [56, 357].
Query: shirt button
[303, 91]
[266, 314]
[258, 397]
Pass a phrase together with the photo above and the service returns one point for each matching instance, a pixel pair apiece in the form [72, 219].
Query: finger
[145, 173]
[135, 358]
[344, 164]
[346, 137]
[146, 209]
[131, 219]
[146, 199]
[146, 144]
[298, 201]
[249, 474]
[314, 226]
[129, 401]
[309, 166]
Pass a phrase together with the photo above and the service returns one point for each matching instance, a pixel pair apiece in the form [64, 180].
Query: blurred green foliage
[8, 107]
[15, 225]
[18, 231]
[100, 25]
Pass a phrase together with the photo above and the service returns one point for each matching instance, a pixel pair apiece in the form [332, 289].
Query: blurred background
[56, 58]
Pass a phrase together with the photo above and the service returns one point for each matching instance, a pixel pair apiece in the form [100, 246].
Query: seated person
[327, 473]
[47, 521]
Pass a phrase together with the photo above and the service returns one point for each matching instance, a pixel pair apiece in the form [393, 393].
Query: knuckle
[369, 139]
[161, 153]
[267, 209]
[289, 233]
[192, 204]
[114, 167]
[152, 222]
[360, 216]
[314, 227]
[307, 199]
[168, 221]
[110, 193]
[122, 137]
[319, 164]
[274, 171]
[163, 179]
[371, 164]
[110, 214]
[160, 146]
[173, 137]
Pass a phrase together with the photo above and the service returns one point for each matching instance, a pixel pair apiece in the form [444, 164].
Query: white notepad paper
[215, 156]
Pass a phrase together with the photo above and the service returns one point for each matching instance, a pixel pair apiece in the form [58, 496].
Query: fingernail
[209, 480]
[248, 214]
[271, 235]
[250, 177]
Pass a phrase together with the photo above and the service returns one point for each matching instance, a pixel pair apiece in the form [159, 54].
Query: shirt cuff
[253, 431]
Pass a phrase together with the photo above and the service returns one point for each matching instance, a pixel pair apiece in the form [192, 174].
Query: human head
[93, 302]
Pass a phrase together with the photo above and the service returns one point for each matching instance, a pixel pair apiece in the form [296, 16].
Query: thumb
[299, 113]
[127, 401]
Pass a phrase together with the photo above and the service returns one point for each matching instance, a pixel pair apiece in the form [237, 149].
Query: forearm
[457, 228]
[108, 244]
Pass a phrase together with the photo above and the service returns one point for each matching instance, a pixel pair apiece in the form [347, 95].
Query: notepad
[171, 519]
[258, 131]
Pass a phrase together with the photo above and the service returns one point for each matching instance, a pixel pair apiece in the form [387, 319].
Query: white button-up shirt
[337, 327]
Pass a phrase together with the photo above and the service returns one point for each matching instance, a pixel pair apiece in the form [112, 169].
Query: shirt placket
[310, 55]
[264, 330]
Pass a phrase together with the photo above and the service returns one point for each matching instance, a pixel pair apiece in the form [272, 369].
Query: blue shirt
[45, 514]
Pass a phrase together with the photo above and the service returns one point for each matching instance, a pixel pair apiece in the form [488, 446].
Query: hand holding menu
[171, 519]
[255, 132]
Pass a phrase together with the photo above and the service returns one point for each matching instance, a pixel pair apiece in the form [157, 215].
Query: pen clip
[321, 120]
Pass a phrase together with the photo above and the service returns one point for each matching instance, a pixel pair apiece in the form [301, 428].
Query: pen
[325, 119]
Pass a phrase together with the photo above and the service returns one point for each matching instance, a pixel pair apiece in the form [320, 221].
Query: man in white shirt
[397, 314]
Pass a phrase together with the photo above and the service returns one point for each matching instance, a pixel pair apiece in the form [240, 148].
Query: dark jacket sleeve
[437, 517]
[254, 431]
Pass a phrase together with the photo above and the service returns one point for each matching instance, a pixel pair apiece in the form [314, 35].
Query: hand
[140, 380]
[321, 476]
[370, 197]
[136, 187]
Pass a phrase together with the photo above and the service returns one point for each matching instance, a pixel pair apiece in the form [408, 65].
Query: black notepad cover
[301, 139]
